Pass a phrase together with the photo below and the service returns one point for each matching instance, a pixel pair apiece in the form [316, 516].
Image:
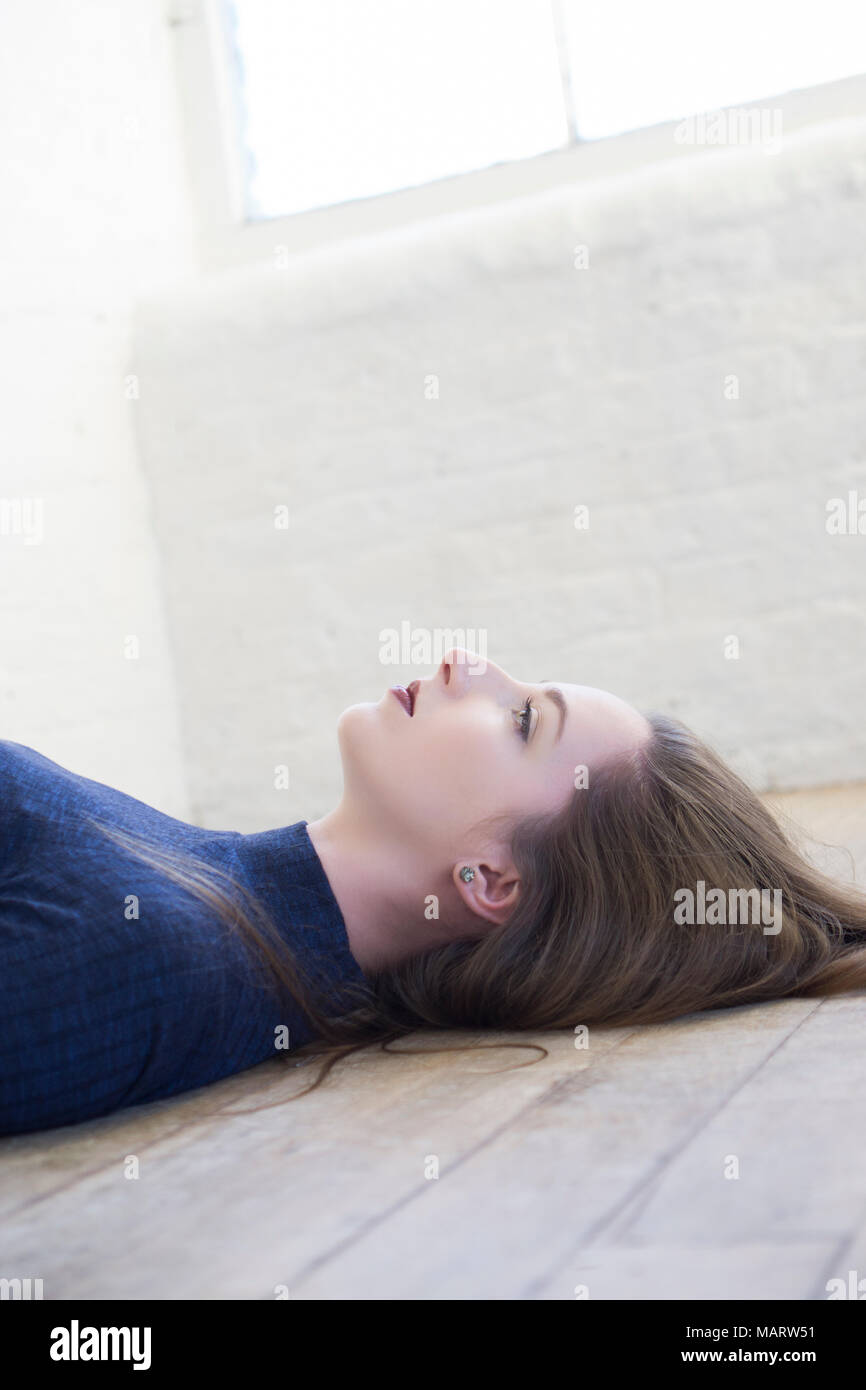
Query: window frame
[207, 97]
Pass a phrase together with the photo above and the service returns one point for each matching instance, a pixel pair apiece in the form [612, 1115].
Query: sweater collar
[286, 874]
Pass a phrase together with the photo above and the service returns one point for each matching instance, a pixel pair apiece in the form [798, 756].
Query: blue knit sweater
[117, 986]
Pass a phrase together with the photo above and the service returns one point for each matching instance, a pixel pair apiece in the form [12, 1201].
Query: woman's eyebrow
[556, 695]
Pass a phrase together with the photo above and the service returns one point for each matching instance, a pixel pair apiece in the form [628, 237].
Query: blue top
[100, 1008]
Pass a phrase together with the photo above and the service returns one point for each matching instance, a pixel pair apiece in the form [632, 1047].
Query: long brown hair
[594, 938]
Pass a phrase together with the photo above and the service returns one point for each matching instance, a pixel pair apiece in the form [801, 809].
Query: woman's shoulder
[29, 780]
[42, 800]
[27, 776]
[19, 756]
[19, 762]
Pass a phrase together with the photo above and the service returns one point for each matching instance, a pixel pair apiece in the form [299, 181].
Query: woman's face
[479, 743]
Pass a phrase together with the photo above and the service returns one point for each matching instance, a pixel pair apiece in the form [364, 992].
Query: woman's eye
[524, 719]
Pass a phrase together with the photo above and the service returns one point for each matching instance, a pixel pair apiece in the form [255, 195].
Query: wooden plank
[525, 1170]
[671, 1271]
[500, 1223]
[847, 1265]
[212, 1211]
[794, 1129]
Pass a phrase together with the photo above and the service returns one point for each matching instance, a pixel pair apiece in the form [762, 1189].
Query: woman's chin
[356, 724]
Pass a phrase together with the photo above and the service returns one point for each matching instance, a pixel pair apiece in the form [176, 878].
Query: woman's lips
[406, 696]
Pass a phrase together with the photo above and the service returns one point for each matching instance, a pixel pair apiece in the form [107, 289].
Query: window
[346, 99]
[339, 100]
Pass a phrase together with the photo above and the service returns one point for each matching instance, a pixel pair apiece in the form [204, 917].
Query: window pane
[345, 99]
[635, 63]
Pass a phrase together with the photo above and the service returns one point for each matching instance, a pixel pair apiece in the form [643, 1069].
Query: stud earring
[467, 875]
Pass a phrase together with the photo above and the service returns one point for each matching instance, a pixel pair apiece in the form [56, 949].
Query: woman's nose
[455, 656]
[459, 663]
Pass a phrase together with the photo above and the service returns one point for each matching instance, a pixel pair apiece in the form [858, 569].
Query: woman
[505, 855]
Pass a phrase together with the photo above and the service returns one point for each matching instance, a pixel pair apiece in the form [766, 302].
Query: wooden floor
[597, 1173]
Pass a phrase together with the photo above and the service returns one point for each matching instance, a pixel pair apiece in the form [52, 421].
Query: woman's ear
[488, 892]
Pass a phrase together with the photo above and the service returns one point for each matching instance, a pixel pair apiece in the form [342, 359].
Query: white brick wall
[604, 386]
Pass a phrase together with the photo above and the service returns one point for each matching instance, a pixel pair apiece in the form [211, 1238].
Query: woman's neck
[379, 889]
